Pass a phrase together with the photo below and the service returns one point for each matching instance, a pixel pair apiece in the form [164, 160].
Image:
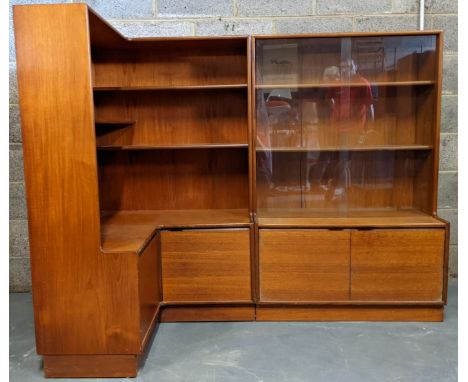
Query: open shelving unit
[182, 136]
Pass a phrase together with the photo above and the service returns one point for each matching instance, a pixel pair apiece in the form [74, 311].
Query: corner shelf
[130, 230]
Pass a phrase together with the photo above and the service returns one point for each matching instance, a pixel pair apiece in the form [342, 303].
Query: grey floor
[291, 352]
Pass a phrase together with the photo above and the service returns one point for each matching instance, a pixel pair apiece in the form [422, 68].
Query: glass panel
[344, 123]
[326, 61]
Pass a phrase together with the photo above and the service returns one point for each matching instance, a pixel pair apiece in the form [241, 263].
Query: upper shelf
[169, 87]
[262, 86]
[346, 148]
[174, 147]
[343, 84]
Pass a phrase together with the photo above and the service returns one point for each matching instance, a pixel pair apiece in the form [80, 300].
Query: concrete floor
[273, 352]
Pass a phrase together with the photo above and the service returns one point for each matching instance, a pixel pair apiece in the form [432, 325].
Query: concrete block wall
[230, 17]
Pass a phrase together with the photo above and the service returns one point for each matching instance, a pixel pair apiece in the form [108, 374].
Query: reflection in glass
[340, 123]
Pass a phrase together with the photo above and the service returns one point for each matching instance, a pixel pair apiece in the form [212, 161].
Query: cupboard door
[304, 265]
[206, 265]
[397, 265]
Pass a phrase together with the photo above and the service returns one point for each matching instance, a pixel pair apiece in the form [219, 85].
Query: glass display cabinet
[345, 125]
[346, 151]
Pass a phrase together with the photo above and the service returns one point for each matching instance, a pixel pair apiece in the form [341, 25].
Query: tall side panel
[437, 116]
[84, 300]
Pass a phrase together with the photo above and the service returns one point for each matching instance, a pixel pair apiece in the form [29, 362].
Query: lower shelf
[129, 231]
[303, 217]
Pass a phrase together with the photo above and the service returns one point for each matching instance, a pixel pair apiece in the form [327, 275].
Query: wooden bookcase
[223, 179]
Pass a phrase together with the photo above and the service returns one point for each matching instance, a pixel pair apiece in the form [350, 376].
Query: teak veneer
[223, 179]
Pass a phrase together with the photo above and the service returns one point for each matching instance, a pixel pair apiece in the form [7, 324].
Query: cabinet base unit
[352, 266]
[228, 178]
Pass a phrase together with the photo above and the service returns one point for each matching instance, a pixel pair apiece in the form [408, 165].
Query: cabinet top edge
[49, 5]
[436, 32]
[191, 38]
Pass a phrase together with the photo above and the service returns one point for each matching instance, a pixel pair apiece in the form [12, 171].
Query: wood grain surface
[397, 265]
[304, 265]
[206, 265]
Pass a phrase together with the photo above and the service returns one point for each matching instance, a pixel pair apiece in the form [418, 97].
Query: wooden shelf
[302, 217]
[174, 147]
[344, 148]
[344, 84]
[110, 122]
[169, 87]
[129, 231]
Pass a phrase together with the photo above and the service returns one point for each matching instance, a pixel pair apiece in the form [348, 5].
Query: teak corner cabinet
[227, 178]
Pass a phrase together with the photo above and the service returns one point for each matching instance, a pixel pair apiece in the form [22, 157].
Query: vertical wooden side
[446, 263]
[252, 180]
[435, 180]
[249, 124]
[256, 262]
[253, 122]
[253, 230]
[149, 290]
[446, 260]
[429, 108]
[85, 302]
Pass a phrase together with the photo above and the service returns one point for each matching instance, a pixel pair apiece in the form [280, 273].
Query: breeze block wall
[234, 17]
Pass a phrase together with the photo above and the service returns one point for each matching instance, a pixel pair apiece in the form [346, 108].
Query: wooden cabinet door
[304, 265]
[397, 265]
[206, 265]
